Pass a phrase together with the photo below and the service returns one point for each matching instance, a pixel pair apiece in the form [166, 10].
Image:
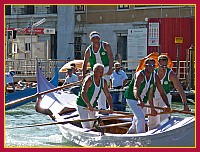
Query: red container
[171, 28]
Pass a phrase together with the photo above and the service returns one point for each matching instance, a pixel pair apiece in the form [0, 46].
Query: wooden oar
[172, 111]
[122, 112]
[107, 111]
[191, 101]
[41, 93]
[116, 125]
[72, 121]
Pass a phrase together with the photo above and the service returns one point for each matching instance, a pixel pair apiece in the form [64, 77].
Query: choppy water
[44, 136]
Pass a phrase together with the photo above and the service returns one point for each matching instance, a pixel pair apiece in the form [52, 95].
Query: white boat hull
[176, 133]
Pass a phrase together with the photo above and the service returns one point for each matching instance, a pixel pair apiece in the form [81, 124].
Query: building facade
[125, 27]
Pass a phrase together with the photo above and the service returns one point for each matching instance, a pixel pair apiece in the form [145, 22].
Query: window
[77, 47]
[52, 9]
[120, 7]
[79, 8]
[29, 9]
[121, 47]
[10, 34]
[27, 46]
[8, 9]
[14, 48]
[53, 46]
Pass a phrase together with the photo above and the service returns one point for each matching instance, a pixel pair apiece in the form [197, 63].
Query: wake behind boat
[110, 130]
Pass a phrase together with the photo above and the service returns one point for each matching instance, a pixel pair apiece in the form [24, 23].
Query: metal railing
[28, 67]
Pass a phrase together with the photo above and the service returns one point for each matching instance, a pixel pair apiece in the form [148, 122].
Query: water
[44, 136]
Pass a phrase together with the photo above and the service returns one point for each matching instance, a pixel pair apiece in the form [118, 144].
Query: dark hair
[73, 64]
[12, 72]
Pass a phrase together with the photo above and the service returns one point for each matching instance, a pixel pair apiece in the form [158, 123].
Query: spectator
[118, 77]
[10, 80]
[70, 77]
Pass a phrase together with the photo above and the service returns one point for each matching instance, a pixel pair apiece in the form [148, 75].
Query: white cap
[94, 35]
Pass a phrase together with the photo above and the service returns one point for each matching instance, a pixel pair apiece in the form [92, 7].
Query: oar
[122, 112]
[41, 93]
[107, 111]
[72, 121]
[172, 111]
[191, 101]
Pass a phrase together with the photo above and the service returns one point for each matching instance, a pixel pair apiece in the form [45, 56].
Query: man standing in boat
[92, 86]
[166, 76]
[99, 52]
[141, 90]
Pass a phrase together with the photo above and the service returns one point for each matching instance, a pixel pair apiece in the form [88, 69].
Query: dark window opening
[29, 9]
[27, 46]
[8, 9]
[79, 8]
[77, 47]
[53, 46]
[123, 6]
[121, 48]
[52, 9]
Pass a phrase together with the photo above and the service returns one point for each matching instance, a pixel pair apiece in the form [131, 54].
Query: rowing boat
[110, 130]
[26, 92]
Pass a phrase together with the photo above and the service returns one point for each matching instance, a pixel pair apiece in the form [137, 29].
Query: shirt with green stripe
[104, 59]
[90, 93]
[144, 93]
[165, 82]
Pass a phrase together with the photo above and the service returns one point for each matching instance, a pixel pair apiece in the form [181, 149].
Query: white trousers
[102, 97]
[154, 121]
[86, 114]
[138, 122]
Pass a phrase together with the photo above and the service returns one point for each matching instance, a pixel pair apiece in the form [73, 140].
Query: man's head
[162, 61]
[149, 65]
[98, 70]
[12, 73]
[94, 36]
[117, 66]
[73, 66]
[69, 71]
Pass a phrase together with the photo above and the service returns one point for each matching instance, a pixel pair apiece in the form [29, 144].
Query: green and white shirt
[165, 82]
[144, 87]
[92, 93]
[100, 57]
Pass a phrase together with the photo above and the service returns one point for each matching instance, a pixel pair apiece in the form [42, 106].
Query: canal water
[44, 136]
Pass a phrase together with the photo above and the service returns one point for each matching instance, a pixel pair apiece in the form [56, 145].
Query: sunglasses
[150, 65]
[163, 66]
